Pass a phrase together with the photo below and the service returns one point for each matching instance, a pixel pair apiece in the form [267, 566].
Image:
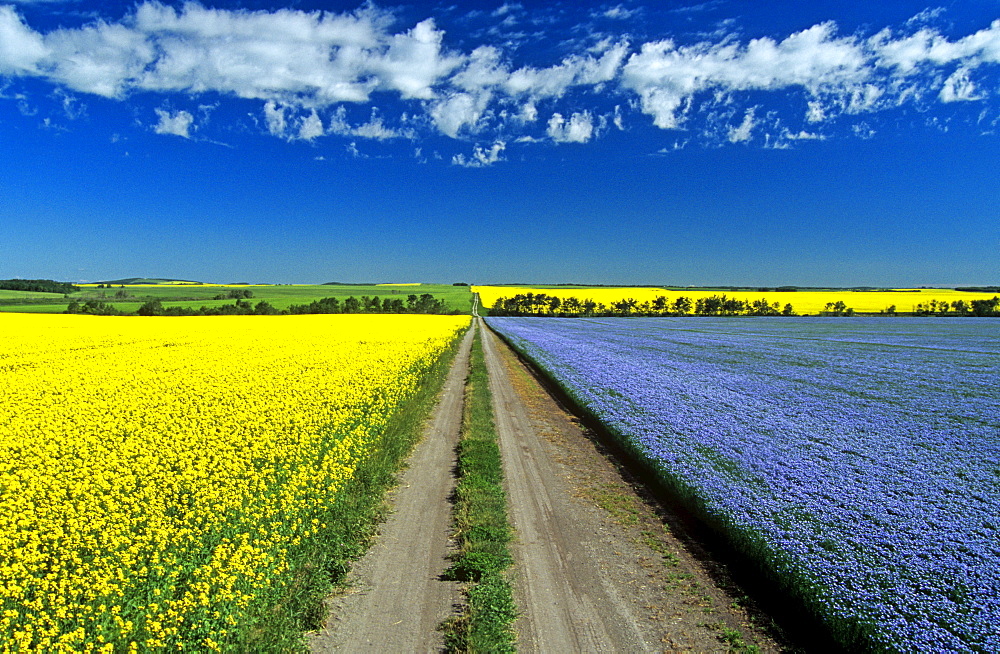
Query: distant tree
[572, 306]
[762, 308]
[623, 307]
[264, 308]
[151, 308]
[98, 308]
[733, 307]
[235, 294]
[788, 310]
[838, 308]
[986, 307]
[426, 303]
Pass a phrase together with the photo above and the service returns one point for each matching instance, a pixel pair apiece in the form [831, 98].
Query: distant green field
[7, 295]
[457, 298]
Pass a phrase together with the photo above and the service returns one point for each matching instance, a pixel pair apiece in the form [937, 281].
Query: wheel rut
[570, 599]
[398, 598]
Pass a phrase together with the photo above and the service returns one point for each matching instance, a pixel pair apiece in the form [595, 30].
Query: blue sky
[763, 143]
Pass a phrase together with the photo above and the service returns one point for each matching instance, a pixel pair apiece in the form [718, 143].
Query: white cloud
[743, 132]
[816, 113]
[528, 113]
[803, 136]
[578, 129]
[71, 106]
[926, 16]
[310, 127]
[303, 67]
[482, 69]
[103, 58]
[666, 76]
[414, 62]
[481, 157]
[459, 111]
[928, 47]
[863, 130]
[21, 49]
[178, 124]
[619, 12]
[958, 87]
[575, 70]
[863, 98]
[505, 9]
[309, 57]
[275, 117]
[312, 59]
[374, 129]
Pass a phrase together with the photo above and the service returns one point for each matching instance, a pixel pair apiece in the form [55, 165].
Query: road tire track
[398, 598]
[571, 599]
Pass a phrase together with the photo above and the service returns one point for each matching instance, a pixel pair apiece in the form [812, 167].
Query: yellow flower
[158, 473]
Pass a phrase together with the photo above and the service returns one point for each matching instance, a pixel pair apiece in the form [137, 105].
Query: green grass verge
[482, 528]
[354, 513]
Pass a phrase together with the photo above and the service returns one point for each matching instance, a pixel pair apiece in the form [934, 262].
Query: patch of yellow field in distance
[804, 302]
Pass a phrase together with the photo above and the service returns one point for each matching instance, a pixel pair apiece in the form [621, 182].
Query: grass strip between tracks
[482, 528]
[353, 518]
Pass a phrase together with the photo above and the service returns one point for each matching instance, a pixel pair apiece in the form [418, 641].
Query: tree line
[542, 304]
[235, 294]
[38, 286]
[979, 308]
[426, 304]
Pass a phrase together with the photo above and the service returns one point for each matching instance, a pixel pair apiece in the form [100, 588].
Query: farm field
[164, 480]
[805, 302]
[6, 294]
[858, 462]
[457, 298]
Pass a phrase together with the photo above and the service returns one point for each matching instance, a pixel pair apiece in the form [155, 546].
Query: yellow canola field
[157, 475]
[804, 302]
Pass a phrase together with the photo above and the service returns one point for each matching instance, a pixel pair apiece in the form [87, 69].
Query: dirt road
[397, 599]
[599, 566]
[571, 600]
